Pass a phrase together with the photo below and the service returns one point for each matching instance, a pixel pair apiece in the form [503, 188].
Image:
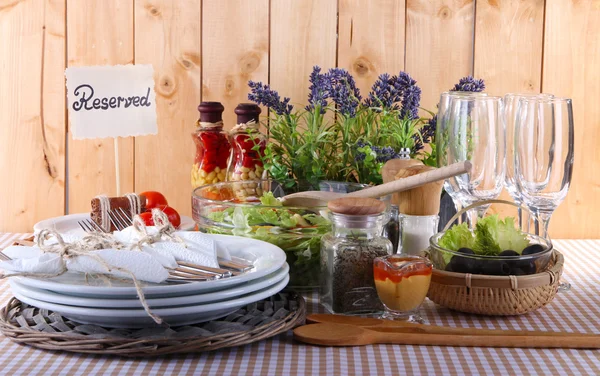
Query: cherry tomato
[172, 214]
[154, 200]
[147, 218]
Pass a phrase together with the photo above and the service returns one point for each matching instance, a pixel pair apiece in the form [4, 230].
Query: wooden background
[209, 49]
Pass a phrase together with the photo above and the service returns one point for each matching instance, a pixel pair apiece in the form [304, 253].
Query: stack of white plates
[115, 304]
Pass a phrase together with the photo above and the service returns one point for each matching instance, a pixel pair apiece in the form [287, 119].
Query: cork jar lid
[356, 206]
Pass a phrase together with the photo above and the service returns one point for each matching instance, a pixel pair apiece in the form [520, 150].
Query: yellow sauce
[406, 295]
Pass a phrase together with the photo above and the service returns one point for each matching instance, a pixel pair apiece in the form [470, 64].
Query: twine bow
[99, 240]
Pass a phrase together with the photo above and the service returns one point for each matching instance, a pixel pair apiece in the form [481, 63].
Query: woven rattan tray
[50, 331]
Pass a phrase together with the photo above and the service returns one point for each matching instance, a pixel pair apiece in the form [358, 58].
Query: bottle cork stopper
[211, 112]
[356, 206]
[247, 112]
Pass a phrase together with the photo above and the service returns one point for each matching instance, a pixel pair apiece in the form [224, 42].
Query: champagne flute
[511, 102]
[442, 138]
[543, 154]
[476, 133]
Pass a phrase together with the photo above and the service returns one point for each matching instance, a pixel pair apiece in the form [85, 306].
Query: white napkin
[143, 266]
[47, 263]
[32, 260]
[199, 248]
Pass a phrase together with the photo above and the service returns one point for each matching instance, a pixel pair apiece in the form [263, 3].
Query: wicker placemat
[47, 330]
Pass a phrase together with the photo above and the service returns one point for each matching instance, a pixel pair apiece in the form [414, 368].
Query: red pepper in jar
[213, 147]
[248, 144]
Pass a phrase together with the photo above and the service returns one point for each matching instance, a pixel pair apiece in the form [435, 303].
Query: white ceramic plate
[138, 318]
[242, 289]
[266, 257]
[67, 224]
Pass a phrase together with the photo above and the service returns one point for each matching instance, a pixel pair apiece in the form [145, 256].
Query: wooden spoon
[319, 198]
[376, 324]
[330, 334]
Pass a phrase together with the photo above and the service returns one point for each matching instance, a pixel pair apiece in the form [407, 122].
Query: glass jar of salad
[213, 147]
[248, 144]
[347, 255]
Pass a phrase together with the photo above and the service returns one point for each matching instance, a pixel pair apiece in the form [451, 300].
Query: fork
[178, 275]
[121, 220]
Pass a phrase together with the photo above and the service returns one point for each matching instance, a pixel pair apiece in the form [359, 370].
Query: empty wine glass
[511, 102]
[543, 154]
[476, 133]
[442, 136]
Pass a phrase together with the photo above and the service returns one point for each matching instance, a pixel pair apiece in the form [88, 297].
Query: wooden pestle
[423, 200]
[391, 168]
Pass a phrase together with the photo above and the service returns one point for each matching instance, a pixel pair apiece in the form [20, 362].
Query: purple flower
[388, 91]
[426, 134]
[320, 89]
[382, 154]
[469, 84]
[344, 92]
[262, 94]
[384, 93]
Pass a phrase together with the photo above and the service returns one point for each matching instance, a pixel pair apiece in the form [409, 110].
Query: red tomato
[147, 218]
[172, 214]
[154, 200]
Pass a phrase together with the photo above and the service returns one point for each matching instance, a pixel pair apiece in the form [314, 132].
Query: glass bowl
[234, 208]
[451, 261]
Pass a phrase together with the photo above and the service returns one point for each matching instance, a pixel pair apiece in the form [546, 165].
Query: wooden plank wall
[208, 49]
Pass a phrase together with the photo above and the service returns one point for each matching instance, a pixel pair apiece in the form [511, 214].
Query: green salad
[491, 237]
[297, 232]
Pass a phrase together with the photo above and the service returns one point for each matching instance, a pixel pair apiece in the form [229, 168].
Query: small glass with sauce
[402, 282]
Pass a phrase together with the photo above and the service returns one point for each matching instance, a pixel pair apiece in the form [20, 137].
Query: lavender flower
[320, 89]
[382, 154]
[388, 91]
[469, 84]
[426, 134]
[384, 93]
[344, 92]
[264, 95]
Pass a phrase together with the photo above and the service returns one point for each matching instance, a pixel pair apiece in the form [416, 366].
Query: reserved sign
[111, 101]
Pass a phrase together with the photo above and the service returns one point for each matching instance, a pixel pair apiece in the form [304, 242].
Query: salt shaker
[347, 254]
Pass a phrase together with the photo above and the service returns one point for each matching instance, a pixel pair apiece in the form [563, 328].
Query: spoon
[320, 198]
[376, 324]
[330, 334]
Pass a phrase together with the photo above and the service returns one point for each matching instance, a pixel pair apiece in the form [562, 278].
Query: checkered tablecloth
[577, 310]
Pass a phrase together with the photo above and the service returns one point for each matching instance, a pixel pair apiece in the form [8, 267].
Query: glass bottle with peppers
[248, 144]
[213, 147]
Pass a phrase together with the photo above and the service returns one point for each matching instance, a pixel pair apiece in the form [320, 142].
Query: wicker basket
[496, 295]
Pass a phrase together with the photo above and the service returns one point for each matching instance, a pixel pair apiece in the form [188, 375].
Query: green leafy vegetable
[491, 236]
[268, 199]
[458, 236]
[503, 233]
[297, 232]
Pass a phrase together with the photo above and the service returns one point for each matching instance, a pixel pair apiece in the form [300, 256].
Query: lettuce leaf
[494, 235]
[458, 236]
[268, 199]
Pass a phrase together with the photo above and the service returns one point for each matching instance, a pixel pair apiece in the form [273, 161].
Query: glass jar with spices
[213, 147]
[347, 255]
[248, 144]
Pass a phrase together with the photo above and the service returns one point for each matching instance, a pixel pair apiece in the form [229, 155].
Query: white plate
[138, 318]
[266, 257]
[67, 224]
[246, 288]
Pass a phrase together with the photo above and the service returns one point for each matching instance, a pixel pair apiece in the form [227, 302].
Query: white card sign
[111, 101]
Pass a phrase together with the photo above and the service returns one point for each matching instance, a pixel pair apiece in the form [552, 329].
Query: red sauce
[383, 272]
